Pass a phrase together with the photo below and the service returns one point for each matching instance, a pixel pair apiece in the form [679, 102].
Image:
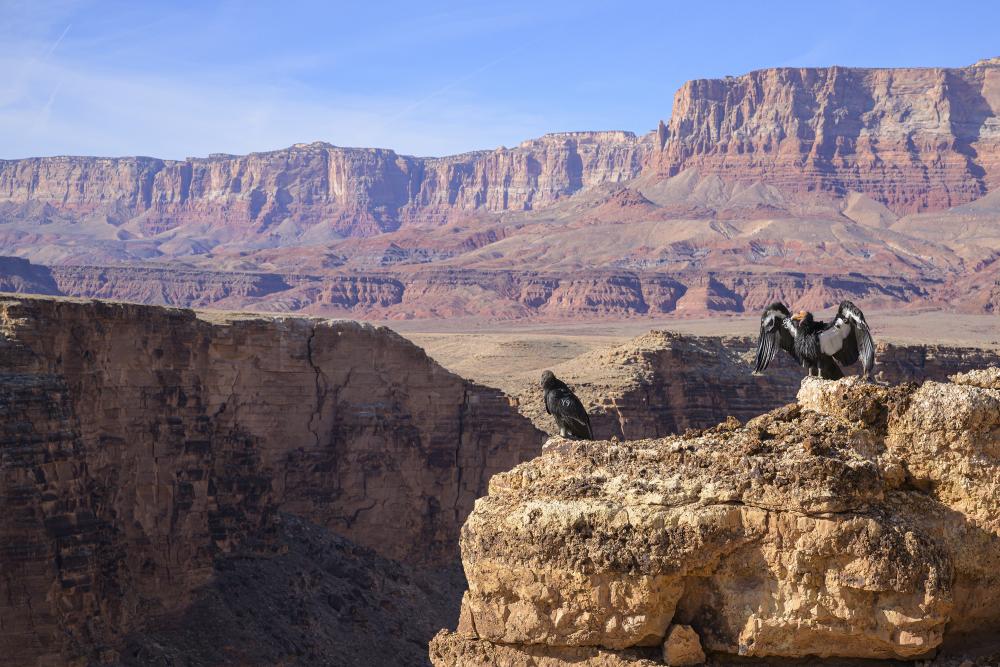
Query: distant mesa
[781, 179]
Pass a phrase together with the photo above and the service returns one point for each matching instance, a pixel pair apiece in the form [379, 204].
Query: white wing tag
[831, 340]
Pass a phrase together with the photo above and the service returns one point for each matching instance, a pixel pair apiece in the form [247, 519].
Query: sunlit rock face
[860, 522]
[912, 139]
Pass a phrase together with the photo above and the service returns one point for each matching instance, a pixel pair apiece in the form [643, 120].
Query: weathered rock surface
[861, 522]
[21, 276]
[450, 649]
[912, 139]
[138, 445]
[682, 647]
[429, 293]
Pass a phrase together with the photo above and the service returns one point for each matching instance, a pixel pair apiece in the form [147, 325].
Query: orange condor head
[799, 316]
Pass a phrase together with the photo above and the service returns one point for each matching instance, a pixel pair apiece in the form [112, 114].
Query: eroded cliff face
[351, 191]
[778, 184]
[140, 444]
[21, 276]
[419, 293]
[860, 522]
[912, 139]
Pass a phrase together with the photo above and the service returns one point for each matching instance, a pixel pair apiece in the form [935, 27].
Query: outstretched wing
[572, 413]
[849, 339]
[776, 330]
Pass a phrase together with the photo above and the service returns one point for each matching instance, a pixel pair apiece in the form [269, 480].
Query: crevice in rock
[320, 384]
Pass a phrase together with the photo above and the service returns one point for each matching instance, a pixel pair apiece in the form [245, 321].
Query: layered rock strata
[353, 191]
[861, 522]
[910, 138]
[421, 293]
[141, 444]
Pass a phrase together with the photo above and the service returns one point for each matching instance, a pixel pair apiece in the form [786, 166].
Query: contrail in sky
[57, 42]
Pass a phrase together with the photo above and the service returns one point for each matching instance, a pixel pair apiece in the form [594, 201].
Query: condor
[821, 347]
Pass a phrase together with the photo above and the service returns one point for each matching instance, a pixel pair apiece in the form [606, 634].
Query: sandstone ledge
[861, 522]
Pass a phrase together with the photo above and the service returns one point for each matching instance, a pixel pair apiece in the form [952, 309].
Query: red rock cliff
[911, 138]
[356, 191]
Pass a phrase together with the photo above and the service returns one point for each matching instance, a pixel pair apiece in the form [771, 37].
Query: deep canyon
[255, 483]
[239, 489]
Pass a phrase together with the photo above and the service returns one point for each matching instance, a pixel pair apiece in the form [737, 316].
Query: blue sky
[176, 79]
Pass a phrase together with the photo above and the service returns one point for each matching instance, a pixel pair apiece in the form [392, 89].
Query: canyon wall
[912, 139]
[21, 276]
[422, 293]
[351, 191]
[778, 184]
[860, 522]
[140, 444]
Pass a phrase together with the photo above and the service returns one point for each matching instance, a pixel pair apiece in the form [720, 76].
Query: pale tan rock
[986, 378]
[466, 624]
[451, 650]
[862, 522]
[682, 648]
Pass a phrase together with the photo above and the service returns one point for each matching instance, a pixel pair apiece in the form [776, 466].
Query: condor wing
[776, 330]
[848, 339]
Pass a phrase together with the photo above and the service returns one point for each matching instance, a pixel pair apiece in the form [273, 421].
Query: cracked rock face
[862, 522]
[139, 444]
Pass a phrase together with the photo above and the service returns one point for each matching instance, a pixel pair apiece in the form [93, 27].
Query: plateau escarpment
[861, 522]
[809, 184]
[142, 446]
[337, 191]
[912, 139]
[430, 293]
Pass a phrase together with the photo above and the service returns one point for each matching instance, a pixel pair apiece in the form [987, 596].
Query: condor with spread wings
[818, 346]
[567, 409]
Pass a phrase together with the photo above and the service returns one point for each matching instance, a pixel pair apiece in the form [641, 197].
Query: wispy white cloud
[59, 109]
[65, 95]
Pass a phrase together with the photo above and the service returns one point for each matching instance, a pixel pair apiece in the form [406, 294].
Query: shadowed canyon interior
[142, 446]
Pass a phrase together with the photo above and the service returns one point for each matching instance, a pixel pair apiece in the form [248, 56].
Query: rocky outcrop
[21, 276]
[861, 522]
[141, 444]
[662, 383]
[912, 139]
[778, 184]
[162, 286]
